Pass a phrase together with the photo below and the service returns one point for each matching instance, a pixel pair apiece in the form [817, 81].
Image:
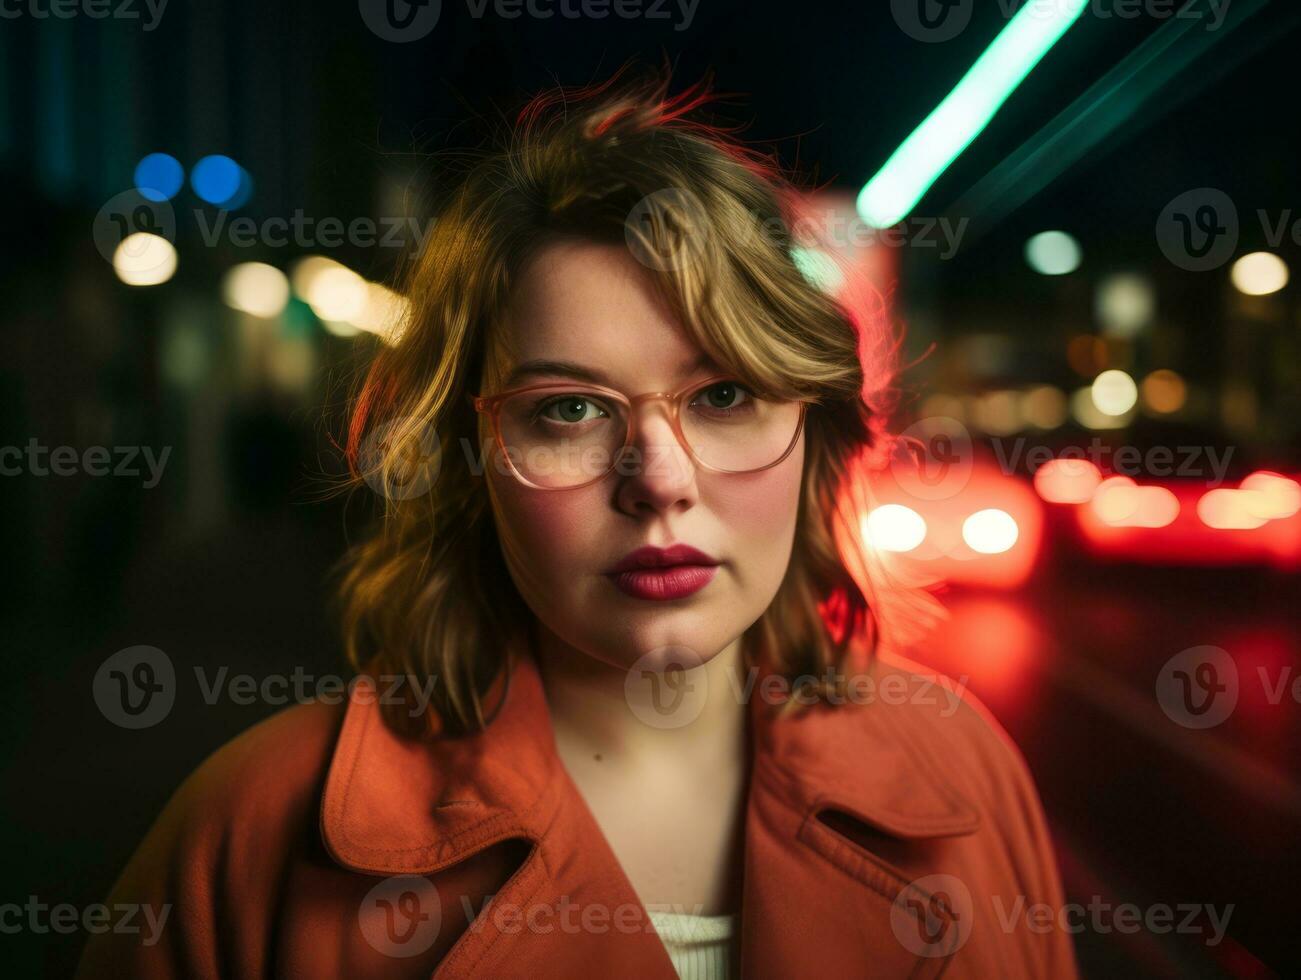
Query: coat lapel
[836, 794]
[832, 792]
[395, 806]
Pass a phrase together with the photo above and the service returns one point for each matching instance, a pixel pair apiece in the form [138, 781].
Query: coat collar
[394, 805]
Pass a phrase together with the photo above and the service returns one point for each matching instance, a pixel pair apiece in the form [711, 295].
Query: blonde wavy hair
[428, 596]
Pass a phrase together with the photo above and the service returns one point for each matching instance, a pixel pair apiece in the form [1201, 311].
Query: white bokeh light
[990, 531]
[894, 527]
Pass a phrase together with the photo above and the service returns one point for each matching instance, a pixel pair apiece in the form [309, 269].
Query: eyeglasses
[565, 435]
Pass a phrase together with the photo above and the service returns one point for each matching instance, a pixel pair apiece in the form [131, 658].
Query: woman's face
[594, 306]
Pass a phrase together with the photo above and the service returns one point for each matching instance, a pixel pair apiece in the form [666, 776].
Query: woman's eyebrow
[544, 367]
[571, 370]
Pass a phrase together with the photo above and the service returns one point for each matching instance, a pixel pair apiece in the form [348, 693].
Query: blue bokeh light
[217, 179]
[159, 176]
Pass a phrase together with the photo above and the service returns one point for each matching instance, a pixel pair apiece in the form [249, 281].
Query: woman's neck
[639, 718]
[662, 763]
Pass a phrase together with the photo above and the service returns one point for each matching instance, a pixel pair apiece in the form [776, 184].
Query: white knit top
[700, 946]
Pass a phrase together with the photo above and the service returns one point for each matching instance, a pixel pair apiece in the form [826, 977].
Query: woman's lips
[672, 582]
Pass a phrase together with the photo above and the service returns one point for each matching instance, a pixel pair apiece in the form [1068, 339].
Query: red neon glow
[993, 643]
[987, 531]
[1221, 526]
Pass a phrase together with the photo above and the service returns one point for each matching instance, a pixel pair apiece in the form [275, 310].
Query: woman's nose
[656, 471]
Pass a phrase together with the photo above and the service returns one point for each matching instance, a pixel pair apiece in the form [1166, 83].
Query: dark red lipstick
[663, 573]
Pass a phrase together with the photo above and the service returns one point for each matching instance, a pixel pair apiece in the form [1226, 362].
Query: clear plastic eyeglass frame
[491, 406]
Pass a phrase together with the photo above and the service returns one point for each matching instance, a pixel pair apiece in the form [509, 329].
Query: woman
[618, 710]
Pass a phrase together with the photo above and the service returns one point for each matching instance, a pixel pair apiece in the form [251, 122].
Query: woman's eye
[724, 395]
[571, 409]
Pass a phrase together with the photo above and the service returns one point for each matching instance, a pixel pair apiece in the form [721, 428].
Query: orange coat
[897, 838]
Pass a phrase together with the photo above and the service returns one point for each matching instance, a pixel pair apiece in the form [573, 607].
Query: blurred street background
[1087, 216]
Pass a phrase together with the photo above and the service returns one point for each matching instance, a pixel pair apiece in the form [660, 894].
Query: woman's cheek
[766, 502]
[558, 523]
[545, 534]
[759, 513]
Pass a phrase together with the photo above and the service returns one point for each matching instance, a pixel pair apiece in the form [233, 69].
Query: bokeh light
[1164, 391]
[144, 259]
[1260, 274]
[384, 313]
[1157, 507]
[255, 288]
[1067, 481]
[217, 179]
[1271, 496]
[159, 176]
[1053, 253]
[990, 532]
[337, 293]
[304, 271]
[894, 527]
[1126, 303]
[1114, 392]
[1115, 500]
[1120, 502]
[340, 328]
[1228, 510]
[996, 412]
[1043, 407]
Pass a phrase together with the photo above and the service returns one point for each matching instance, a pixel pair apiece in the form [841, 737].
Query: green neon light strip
[965, 112]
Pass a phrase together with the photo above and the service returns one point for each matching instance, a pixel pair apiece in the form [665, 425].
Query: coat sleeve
[209, 871]
[172, 880]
